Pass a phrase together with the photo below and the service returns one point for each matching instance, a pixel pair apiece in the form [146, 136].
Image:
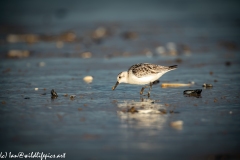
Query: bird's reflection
[143, 114]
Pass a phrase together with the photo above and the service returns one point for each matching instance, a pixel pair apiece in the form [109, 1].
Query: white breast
[132, 79]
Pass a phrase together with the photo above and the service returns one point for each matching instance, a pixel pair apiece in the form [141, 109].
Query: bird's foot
[141, 92]
[148, 94]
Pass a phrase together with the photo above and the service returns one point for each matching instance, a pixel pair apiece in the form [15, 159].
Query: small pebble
[230, 112]
[36, 89]
[72, 96]
[177, 124]
[54, 94]
[207, 85]
[88, 79]
[100, 32]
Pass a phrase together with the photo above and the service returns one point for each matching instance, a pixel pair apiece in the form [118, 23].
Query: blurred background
[60, 45]
[60, 28]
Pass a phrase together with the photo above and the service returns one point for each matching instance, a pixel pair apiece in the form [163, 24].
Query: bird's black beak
[115, 86]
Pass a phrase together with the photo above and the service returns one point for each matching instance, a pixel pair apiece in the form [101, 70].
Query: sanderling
[142, 74]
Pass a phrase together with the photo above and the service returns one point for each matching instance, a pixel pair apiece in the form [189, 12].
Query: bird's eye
[119, 77]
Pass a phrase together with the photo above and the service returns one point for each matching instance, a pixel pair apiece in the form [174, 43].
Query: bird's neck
[125, 80]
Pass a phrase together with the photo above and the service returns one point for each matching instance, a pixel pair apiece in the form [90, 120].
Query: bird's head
[121, 78]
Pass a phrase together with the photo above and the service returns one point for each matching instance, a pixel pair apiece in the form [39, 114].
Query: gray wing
[146, 69]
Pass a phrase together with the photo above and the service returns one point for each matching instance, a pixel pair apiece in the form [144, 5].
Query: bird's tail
[172, 67]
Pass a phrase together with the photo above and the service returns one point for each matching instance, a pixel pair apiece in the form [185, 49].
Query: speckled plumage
[146, 69]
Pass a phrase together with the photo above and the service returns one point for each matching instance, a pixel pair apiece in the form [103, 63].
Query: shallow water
[93, 122]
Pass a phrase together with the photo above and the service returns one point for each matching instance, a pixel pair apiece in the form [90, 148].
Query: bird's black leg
[149, 90]
[141, 92]
[149, 86]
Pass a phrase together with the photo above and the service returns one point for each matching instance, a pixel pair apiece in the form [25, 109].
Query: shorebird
[142, 74]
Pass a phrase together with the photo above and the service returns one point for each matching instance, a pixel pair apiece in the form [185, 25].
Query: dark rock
[193, 93]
